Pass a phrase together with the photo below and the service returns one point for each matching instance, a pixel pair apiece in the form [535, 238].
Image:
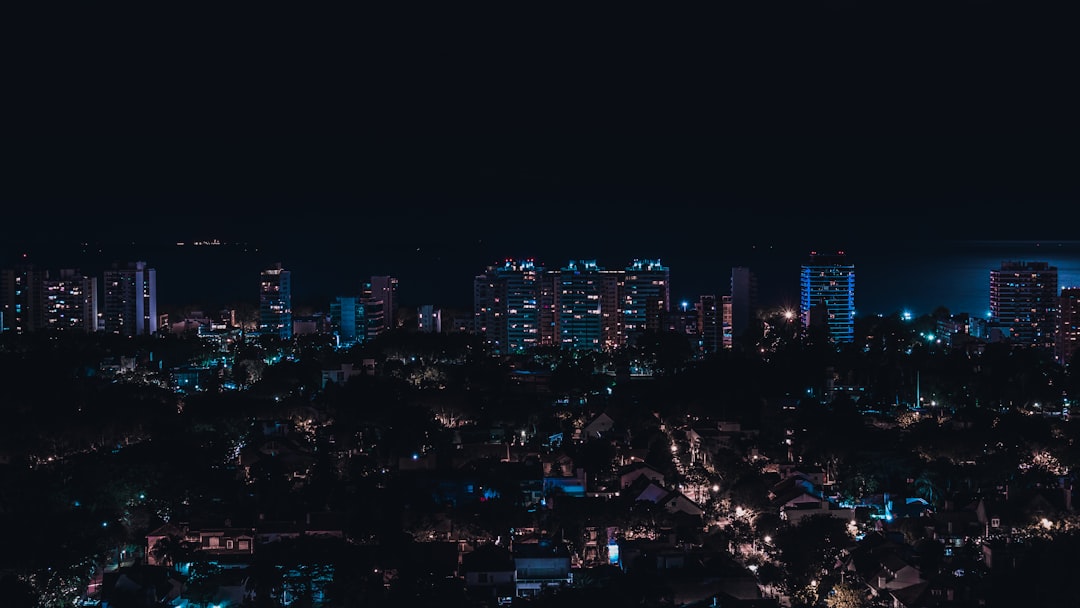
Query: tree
[847, 595]
[927, 487]
[172, 550]
[16, 592]
[811, 546]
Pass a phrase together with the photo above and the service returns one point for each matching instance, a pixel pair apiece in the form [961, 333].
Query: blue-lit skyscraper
[348, 320]
[587, 310]
[275, 302]
[827, 295]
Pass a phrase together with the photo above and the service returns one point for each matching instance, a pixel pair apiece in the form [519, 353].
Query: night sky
[430, 143]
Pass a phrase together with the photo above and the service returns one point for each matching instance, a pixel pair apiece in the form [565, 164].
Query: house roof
[545, 547]
[488, 557]
[635, 467]
[167, 529]
[912, 594]
[792, 488]
[676, 495]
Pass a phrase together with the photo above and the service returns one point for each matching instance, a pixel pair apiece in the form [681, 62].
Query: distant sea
[914, 276]
[953, 274]
[917, 277]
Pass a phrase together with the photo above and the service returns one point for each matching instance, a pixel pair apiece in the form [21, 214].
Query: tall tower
[71, 301]
[710, 314]
[582, 295]
[506, 305]
[22, 304]
[827, 295]
[384, 289]
[744, 291]
[347, 320]
[645, 298]
[1024, 299]
[725, 316]
[1068, 337]
[275, 302]
[130, 300]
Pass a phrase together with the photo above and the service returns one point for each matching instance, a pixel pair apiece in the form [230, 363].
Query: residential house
[225, 545]
[341, 375]
[887, 566]
[142, 585]
[599, 426]
[540, 565]
[800, 496]
[798, 511]
[490, 574]
[677, 502]
[646, 490]
[631, 472]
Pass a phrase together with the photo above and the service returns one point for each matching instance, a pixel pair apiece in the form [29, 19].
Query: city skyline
[536, 240]
[210, 276]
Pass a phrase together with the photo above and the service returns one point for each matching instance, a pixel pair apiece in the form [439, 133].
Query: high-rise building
[519, 304]
[348, 320]
[827, 295]
[130, 300]
[384, 289]
[644, 299]
[710, 324]
[275, 302]
[586, 306]
[1068, 336]
[1024, 300]
[726, 306]
[374, 312]
[744, 290]
[506, 305]
[22, 305]
[71, 301]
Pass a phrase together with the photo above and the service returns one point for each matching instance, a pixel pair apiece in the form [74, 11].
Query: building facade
[275, 302]
[644, 298]
[1024, 301]
[744, 295]
[519, 305]
[22, 308]
[827, 295]
[429, 319]
[506, 305]
[1068, 334]
[71, 301]
[587, 316]
[130, 300]
[347, 320]
[383, 289]
[710, 314]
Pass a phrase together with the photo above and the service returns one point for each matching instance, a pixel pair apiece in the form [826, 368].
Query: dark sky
[679, 134]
